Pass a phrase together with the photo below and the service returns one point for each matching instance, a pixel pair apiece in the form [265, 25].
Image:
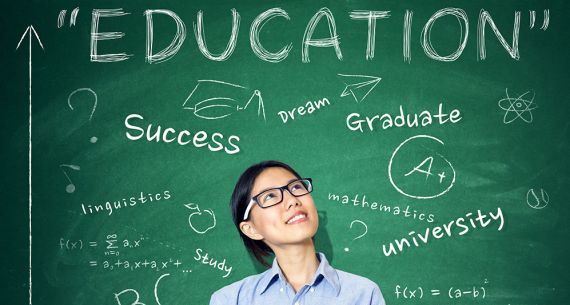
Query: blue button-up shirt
[328, 286]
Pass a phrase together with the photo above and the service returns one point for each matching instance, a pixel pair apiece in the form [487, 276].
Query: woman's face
[273, 225]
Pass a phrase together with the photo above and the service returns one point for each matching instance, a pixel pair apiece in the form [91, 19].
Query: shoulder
[359, 287]
[240, 290]
[355, 281]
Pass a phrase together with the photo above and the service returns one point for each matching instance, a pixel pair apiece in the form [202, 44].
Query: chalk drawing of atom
[520, 107]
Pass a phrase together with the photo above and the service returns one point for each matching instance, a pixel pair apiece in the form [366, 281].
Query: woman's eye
[297, 186]
[268, 197]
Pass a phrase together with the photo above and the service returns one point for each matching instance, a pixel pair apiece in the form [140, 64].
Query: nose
[289, 199]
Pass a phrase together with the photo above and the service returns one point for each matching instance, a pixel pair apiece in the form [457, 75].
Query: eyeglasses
[273, 196]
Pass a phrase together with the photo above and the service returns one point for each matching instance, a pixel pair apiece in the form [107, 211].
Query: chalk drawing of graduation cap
[359, 86]
[213, 99]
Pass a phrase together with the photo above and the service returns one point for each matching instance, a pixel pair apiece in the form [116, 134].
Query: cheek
[310, 205]
[267, 219]
[312, 209]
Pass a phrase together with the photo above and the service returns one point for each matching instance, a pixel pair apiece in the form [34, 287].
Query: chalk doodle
[93, 139]
[70, 188]
[80, 90]
[359, 236]
[72, 18]
[359, 86]
[545, 22]
[213, 99]
[439, 178]
[199, 215]
[520, 107]
[137, 295]
[534, 201]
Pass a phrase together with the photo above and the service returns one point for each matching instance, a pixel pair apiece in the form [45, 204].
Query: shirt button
[297, 303]
[312, 289]
[281, 289]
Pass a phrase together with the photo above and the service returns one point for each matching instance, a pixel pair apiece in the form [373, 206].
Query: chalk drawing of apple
[200, 219]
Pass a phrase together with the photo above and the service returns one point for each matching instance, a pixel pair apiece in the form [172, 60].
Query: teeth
[300, 216]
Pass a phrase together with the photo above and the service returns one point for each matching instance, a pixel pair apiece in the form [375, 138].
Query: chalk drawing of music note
[70, 188]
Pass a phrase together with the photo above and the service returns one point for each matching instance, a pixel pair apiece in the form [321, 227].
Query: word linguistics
[169, 135]
[111, 206]
[448, 229]
[203, 258]
[386, 120]
[309, 107]
[395, 210]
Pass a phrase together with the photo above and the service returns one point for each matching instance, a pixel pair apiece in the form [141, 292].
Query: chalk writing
[182, 137]
[323, 16]
[407, 184]
[309, 108]
[139, 264]
[111, 245]
[449, 229]
[361, 223]
[156, 298]
[380, 206]
[408, 293]
[202, 257]
[403, 119]
[92, 139]
[127, 202]
[72, 18]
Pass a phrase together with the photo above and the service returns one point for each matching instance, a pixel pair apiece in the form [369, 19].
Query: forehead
[272, 177]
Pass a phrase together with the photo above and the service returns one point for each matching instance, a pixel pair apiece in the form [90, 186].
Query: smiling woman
[275, 214]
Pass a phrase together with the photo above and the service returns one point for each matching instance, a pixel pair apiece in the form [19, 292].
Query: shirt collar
[325, 270]
[269, 277]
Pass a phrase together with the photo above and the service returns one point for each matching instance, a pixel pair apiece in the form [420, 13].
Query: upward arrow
[29, 31]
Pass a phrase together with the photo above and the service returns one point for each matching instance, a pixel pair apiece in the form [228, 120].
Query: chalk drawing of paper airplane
[213, 99]
[359, 86]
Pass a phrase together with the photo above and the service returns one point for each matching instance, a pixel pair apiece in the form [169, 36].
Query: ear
[249, 230]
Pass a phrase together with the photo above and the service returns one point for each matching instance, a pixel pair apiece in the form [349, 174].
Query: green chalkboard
[436, 134]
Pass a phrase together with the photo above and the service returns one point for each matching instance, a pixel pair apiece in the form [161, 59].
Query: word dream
[323, 15]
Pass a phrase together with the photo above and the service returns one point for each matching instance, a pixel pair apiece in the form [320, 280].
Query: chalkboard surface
[436, 134]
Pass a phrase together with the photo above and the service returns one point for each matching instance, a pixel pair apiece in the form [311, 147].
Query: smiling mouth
[297, 218]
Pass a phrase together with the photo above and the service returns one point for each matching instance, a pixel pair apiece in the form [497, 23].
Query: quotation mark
[61, 17]
[545, 22]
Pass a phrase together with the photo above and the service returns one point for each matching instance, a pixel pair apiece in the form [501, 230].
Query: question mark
[93, 139]
[359, 236]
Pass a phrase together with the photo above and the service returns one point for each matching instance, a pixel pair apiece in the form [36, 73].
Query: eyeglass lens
[274, 196]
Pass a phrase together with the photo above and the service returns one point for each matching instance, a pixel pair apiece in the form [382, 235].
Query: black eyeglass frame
[281, 189]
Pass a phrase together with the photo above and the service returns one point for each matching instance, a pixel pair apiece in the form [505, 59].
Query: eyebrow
[270, 188]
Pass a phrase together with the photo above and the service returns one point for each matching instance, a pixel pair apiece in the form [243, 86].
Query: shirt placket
[300, 297]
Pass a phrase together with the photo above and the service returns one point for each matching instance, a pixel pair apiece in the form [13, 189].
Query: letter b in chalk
[137, 300]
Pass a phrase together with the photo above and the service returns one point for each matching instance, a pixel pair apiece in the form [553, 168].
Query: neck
[298, 263]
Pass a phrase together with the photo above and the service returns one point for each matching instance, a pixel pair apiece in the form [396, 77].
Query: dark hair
[240, 199]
